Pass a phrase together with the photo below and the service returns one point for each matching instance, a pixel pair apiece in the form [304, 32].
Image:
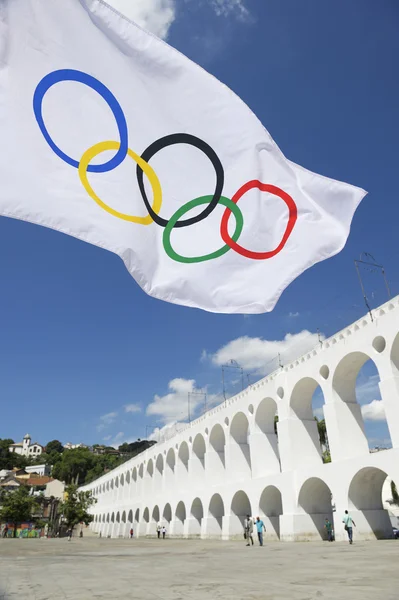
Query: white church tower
[25, 444]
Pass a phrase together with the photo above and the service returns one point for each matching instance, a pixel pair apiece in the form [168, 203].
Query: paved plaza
[194, 569]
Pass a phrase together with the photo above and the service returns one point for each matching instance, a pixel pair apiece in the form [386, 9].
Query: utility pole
[370, 262]
[232, 364]
[189, 394]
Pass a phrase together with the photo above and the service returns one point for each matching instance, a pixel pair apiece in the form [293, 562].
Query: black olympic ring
[192, 140]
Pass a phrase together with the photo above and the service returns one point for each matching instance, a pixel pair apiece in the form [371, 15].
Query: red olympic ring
[263, 187]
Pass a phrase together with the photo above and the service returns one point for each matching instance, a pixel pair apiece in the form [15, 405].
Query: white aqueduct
[229, 462]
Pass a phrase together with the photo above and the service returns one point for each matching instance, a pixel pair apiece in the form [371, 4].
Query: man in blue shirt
[260, 526]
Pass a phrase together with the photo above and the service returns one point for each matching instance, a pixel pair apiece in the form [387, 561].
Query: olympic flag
[112, 136]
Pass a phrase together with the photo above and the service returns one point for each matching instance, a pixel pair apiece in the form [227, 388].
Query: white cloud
[107, 438]
[106, 420]
[319, 412]
[257, 353]
[173, 406]
[293, 314]
[368, 389]
[154, 15]
[225, 8]
[373, 411]
[132, 408]
[164, 433]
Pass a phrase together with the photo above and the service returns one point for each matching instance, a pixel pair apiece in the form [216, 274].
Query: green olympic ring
[182, 211]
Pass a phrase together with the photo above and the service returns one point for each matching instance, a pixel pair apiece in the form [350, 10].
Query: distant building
[39, 469]
[55, 489]
[26, 448]
[69, 446]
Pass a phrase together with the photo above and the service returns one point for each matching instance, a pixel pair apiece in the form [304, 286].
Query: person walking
[69, 534]
[260, 526]
[163, 532]
[131, 533]
[248, 530]
[158, 531]
[328, 527]
[349, 524]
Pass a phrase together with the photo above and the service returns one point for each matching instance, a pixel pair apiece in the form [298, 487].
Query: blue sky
[80, 341]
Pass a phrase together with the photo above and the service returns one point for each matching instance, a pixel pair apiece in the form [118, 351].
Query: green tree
[74, 465]
[54, 446]
[17, 507]
[76, 506]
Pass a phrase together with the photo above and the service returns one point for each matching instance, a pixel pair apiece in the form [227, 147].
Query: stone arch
[130, 516]
[184, 454]
[314, 501]
[264, 439]
[137, 515]
[113, 518]
[180, 517]
[150, 467]
[239, 450]
[108, 519]
[122, 480]
[217, 456]
[155, 514]
[167, 513]
[199, 449]
[365, 503]
[305, 437]
[196, 516]
[271, 508]
[146, 515]
[134, 474]
[171, 459]
[104, 518]
[216, 514]
[346, 379]
[159, 465]
[127, 477]
[240, 508]
[112, 484]
[117, 481]
[124, 517]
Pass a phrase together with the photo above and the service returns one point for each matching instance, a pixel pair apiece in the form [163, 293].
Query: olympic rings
[143, 167]
[264, 187]
[183, 138]
[152, 177]
[71, 75]
[185, 208]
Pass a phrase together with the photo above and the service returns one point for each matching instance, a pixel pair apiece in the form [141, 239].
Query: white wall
[229, 461]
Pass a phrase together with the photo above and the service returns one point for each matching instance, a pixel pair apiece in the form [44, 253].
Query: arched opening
[116, 482]
[156, 516]
[141, 471]
[124, 517]
[270, 508]
[171, 460]
[314, 503]
[128, 478]
[180, 517]
[130, 517]
[118, 517]
[108, 518]
[264, 440]
[146, 515]
[240, 451]
[197, 514]
[134, 474]
[307, 401]
[240, 508]
[366, 504]
[104, 518]
[199, 449]
[150, 467]
[184, 455]
[122, 480]
[363, 423]
[113, 518]
[167, 513]
[217, 440]
[159, 464]
[216, 514]
[137, 516]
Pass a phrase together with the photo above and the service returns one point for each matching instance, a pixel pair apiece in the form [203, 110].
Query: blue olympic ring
[100, 88]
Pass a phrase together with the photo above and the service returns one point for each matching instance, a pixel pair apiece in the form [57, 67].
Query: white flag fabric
[112, 136]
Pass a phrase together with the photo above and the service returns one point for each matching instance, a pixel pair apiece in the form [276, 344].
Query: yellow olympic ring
[152, 178]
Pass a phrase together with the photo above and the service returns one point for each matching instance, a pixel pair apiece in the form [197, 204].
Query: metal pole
[363, 290]
[188, 401]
